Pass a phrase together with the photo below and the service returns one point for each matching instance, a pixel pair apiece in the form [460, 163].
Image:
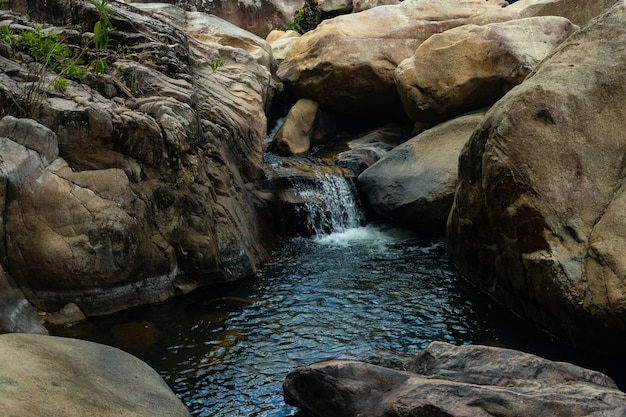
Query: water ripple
[370, 293]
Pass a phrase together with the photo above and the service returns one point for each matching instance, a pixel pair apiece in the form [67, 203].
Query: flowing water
[367, 292]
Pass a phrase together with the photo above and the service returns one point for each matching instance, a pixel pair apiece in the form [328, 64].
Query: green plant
[47, 48]
[60, 83]
[215, 65]
[101, 31]
[5, 34]
[298, 18]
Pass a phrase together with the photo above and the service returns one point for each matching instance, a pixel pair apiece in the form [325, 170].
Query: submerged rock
[538, 219]
[42, 376]
[451, 381]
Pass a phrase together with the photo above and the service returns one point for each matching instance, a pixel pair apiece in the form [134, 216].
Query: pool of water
[370, 293]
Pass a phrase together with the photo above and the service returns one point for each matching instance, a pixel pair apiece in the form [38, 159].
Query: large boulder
[155, 187]
[472, 66]
[578, 11]
[347, 63]
[414, 184]
[46, 376]
[451, 381]
[538, 219]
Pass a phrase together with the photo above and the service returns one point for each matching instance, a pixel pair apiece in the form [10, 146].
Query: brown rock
[414, 184]
[347, 63]
[538, 219]
[472, 66]
[450, 381]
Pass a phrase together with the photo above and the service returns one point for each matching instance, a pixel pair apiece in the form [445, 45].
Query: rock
[445, 380]
[360, 5]
[68, 315]
[335, 6]
[538, 219]
[65, 238]
[150, 193]
[347, 63]
[276, 34]
[255, 17]
[414, 184]
[368, 148]
[472, 66]
[305, 125]
[578, 11]
[17, 314]
[53, 376]
[283, 44]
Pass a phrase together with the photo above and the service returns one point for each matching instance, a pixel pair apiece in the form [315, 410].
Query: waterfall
[331, 206]
[316, 199]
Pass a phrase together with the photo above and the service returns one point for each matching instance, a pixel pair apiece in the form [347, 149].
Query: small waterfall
[316, 199]
[331, 207]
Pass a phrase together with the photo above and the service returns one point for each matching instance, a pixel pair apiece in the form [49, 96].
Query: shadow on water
[370, 293]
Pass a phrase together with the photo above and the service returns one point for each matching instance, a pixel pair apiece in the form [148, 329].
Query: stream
[368, 292]
[371, 293]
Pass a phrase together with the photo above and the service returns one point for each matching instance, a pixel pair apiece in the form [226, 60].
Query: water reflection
[372, 293]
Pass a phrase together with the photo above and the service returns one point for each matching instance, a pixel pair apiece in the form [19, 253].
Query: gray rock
[42, 376]
[414, 184]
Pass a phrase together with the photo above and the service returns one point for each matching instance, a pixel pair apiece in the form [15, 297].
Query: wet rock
[538, 219]
[451, 381]
[414, 184]
[44, 375]
[472, 66]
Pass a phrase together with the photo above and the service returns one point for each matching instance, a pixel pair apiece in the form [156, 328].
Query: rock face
[539, 218]
[450, 381]
[347, 63]
[472, 66]
[151, 187]
[52, 376]
[414, 184]
[258, 17]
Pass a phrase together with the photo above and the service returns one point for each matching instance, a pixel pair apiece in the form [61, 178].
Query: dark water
[370, 293]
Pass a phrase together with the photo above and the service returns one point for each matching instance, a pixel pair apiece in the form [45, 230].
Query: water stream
[367, 292]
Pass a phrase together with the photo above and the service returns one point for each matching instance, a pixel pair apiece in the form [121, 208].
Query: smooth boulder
[414, 184]
[347, 63]
[446, 380]
[305, 125]
[42, 376]
[472, 66]
[538, 219]
[578, 11]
